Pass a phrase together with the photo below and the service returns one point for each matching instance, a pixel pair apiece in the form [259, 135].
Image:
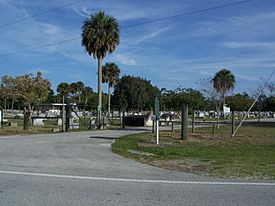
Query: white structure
[38, 122]
[226, 110]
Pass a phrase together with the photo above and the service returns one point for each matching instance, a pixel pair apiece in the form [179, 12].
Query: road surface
[80, 169]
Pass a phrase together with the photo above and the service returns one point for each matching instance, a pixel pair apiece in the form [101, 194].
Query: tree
[27, 89]
[173, 99]
[76, 89]
[87, 92]
[134, 93]
[224, 82]
[239, 102]
[110, 75]
[100, 34]
[63, 89]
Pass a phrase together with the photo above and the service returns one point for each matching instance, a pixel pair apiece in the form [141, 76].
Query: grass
[251, 154]
[48, 127]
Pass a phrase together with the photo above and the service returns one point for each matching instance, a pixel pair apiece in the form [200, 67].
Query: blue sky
[170, 53]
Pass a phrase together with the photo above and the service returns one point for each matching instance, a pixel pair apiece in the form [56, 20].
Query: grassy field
[251, 154]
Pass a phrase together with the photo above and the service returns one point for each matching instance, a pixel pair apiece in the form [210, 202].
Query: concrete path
[80, 169]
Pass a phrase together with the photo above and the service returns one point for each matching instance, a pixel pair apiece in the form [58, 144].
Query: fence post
[184, 122]
[193, 122]
[213, 128]
[172, 127]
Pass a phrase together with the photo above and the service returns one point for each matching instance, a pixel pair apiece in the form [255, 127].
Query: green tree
[87, 93]
[173, 99]
[224, 82]
[63, 89]
[239, 102]
[100, 34]
[110, 75]
[27, 89]
[135, 93]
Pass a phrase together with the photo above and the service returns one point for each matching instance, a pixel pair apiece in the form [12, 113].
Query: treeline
[137, 94]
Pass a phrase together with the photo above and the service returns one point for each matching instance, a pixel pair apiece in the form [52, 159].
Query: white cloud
[125, 60]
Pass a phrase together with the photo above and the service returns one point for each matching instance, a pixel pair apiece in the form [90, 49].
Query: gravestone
[37, 122]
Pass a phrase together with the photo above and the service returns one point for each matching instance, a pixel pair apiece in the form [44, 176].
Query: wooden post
[193, 122]
[213, 128]
[172, 127]
[184, 122]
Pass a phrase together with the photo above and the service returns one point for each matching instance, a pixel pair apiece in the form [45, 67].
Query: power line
[39, 14]
[189, 13]
[39, 47]
[134, 25]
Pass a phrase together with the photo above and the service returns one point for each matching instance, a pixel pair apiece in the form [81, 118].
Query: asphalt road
[80, 169]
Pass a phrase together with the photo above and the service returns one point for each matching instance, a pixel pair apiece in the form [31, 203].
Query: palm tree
[63, 89]
[223, 82]
[80, 89]
[100, 34]
[87, 92]
[110, 75]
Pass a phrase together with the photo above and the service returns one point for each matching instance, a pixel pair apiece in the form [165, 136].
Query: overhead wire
[133, 25]
[39, 14]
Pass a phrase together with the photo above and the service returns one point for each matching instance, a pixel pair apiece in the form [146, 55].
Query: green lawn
[251, 154]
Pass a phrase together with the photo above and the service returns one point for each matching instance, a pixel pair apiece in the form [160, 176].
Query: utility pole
[63, 114]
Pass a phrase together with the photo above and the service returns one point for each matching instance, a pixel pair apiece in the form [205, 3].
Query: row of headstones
[74, 122]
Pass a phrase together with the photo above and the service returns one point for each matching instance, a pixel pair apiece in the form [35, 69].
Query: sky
[174, 52]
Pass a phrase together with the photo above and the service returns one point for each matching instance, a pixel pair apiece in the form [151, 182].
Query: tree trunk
[12, 104]
[27, 117]
[109, 99]
[218, 115]
[79, 98]
[99, 100]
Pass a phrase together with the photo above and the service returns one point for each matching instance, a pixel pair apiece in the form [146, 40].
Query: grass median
[250, 154]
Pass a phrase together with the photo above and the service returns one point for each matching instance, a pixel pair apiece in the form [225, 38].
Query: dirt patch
[191, 165]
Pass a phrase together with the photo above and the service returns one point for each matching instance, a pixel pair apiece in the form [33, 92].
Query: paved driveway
[80, 169]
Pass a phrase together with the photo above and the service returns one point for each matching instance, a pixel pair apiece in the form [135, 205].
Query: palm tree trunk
[109, 99]
[99, 107]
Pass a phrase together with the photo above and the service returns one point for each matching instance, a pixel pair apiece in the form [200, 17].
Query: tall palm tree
[110, 75]
[100, 34]
[63, 89]
[223, 82]
[80, 89]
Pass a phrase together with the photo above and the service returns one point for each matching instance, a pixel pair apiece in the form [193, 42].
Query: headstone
[74, 123]
[59, 121]
[38, 122]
